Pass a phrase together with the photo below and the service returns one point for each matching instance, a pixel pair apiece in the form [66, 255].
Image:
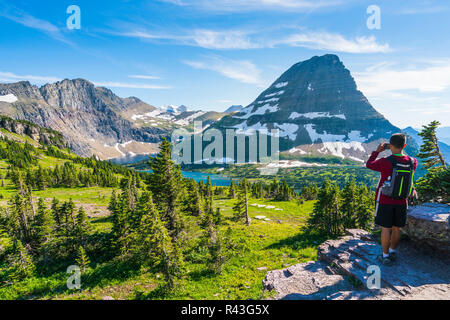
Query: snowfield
[10, 98]
[287, 130]
[278, 93]
[337, 148]
[260, 111]
[281, 85]
[314, 115]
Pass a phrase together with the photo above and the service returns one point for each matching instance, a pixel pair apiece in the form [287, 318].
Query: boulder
[428, 227]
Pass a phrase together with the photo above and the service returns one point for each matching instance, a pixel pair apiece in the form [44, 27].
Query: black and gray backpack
[400, 184]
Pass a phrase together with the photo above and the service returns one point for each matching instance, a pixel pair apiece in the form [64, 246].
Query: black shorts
[388, 215]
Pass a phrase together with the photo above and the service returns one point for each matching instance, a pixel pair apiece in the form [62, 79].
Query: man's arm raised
[373, 163]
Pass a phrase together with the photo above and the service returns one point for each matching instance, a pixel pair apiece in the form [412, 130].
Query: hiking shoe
[393, 256]
[385, 261]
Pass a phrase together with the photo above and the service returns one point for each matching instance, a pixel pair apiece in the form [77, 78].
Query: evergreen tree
[350, 201]
[21, 262]
[232, 190]
[82, 227]
[429, 150]
[82, 259]
[240, 208]
[166, 184]
[155, 246]
[43, 227]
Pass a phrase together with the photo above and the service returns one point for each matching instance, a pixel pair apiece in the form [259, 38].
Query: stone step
[415, 275]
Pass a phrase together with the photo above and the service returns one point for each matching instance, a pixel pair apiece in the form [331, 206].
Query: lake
[216, 179]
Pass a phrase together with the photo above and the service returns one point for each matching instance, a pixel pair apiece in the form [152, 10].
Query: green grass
[272, 244]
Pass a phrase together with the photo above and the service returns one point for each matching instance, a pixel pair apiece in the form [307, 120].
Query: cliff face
[39, 134]
[89, 117]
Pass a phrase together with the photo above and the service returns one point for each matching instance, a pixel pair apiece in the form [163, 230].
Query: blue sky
[212, 54]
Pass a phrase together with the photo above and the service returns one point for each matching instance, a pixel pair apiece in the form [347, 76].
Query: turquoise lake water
[216, 179]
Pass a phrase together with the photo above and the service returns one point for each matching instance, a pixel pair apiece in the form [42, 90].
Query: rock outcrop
[344, 268]
[428, 227]
[39, 134]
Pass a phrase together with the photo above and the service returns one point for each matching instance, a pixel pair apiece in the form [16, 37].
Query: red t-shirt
[384, 166]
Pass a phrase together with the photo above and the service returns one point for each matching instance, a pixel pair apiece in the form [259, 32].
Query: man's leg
[395, 238]
[385, 239]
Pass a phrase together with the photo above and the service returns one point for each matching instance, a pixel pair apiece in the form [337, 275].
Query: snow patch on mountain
[260, 111]
[281, 84]
[10, 98]
[314, 115]
[278, 93]
[287, 130]
[243, 128]
[337, 148]
[322, 136]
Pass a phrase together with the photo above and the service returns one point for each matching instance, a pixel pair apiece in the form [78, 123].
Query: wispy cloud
[143, 76]
[37, 79]
[431, 78]
[252, 39]
[130, 85]
[255, 5]
[334, 42]
[241, 70]
[19, 16]
[209, 39]
[12, 77]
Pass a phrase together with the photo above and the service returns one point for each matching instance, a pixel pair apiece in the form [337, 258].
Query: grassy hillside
[265, 245]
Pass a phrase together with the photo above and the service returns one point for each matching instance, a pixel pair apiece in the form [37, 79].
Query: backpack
[400, 184]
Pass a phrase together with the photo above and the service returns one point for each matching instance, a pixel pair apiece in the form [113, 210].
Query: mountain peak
[314, 101]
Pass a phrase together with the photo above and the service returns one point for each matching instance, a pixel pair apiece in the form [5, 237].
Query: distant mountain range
[315, 104]
[95, 121]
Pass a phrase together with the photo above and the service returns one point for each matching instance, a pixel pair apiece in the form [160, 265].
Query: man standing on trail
[393, 190]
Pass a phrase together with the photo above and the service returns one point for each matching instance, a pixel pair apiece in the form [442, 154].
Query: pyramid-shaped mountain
[313, 102]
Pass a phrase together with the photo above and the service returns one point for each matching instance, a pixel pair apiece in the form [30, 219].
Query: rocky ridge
[90, 118]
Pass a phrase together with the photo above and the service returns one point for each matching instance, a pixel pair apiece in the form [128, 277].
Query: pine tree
[82, 259]
[240, 208]
[166, 184]
[43, 227]
[232, 190]
[429, 150]
[326, 216]
[82, 227]
[350, 203]
[155, 246]
[21, 262]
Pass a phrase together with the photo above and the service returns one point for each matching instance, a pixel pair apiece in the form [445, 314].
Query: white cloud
[241, 70]
[428, 79]
[129, 85]
[255, 5]
[209, 39]
[251, 39]
[12, 77]
[334, 42]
